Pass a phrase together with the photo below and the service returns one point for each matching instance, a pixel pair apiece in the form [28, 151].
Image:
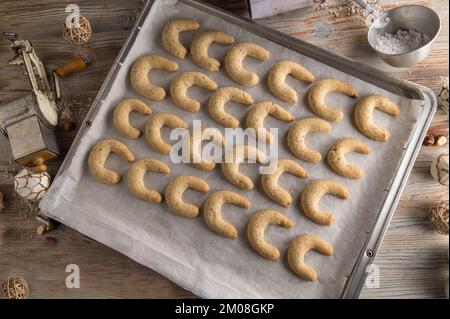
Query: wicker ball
[15, 288]
[439, 217]
[78, 35]
[443, 96]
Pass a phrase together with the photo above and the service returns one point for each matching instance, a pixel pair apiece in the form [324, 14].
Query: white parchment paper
[186, 251]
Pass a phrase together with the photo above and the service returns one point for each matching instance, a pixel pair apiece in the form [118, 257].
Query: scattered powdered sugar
[348, 9]
[403, 41]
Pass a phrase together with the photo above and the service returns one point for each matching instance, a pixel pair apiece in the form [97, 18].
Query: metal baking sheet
[352, 280]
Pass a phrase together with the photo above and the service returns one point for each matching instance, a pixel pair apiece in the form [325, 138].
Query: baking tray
[356, 279]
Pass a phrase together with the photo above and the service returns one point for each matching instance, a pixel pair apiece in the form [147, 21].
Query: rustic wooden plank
[413, 258]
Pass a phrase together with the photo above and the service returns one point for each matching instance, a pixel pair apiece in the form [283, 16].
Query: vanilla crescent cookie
[174, 195]
[153, 130]
[269, 182]
[216, 105]
[195, 148]
[297, 135]
[200, 45]
[139, 75]
[136, 174]
[277, 79]
[121, 116]
[258, 113]
[297, 250]
[364, 116]
[317, 93]
[338, 162]
[311, 195]
[98, 156]
[212, 211]
[234, 62]
[257, 226]
[170, 36]
[180, 85]
[231, 169]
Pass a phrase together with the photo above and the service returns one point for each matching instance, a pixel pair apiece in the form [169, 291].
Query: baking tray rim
[356, 279]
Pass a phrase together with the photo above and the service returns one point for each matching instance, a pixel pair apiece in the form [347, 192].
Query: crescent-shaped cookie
[234, 62]
[257, 226]
[200, 45]
[230, 166]
[338, 162]
[212, 211]
[318, 92]
[136, 174]
[269, 182]
[297, 135]
[216, 105]
[311, 195]
[180, 85]
[364, 116]
[195, 148]
[258, 113]
[170, 36]
[139, 75]
[297, 250]
[98, 156]
[121, 116]
[153, 130]
[174, 195]
[277, 80]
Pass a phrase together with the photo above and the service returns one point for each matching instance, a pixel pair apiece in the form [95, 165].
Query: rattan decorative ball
[15, 288]
[439, 217]
[443, 96]
[79, 35]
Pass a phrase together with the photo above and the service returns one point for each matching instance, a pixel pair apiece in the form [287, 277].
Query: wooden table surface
[413, 259]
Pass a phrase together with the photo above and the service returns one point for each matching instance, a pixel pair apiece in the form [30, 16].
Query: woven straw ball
[15, 288]
[78, 35]
[439, 217]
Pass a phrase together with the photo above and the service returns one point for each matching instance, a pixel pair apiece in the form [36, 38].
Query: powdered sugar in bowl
[403, 36]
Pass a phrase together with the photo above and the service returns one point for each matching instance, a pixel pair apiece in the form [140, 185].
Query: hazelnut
[67, 125]
[41, 230]
[429, 140]
[441, 140]
[51, 240]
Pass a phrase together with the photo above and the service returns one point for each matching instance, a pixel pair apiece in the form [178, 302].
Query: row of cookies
[212, 206]
[233, 59]
[295, 138]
